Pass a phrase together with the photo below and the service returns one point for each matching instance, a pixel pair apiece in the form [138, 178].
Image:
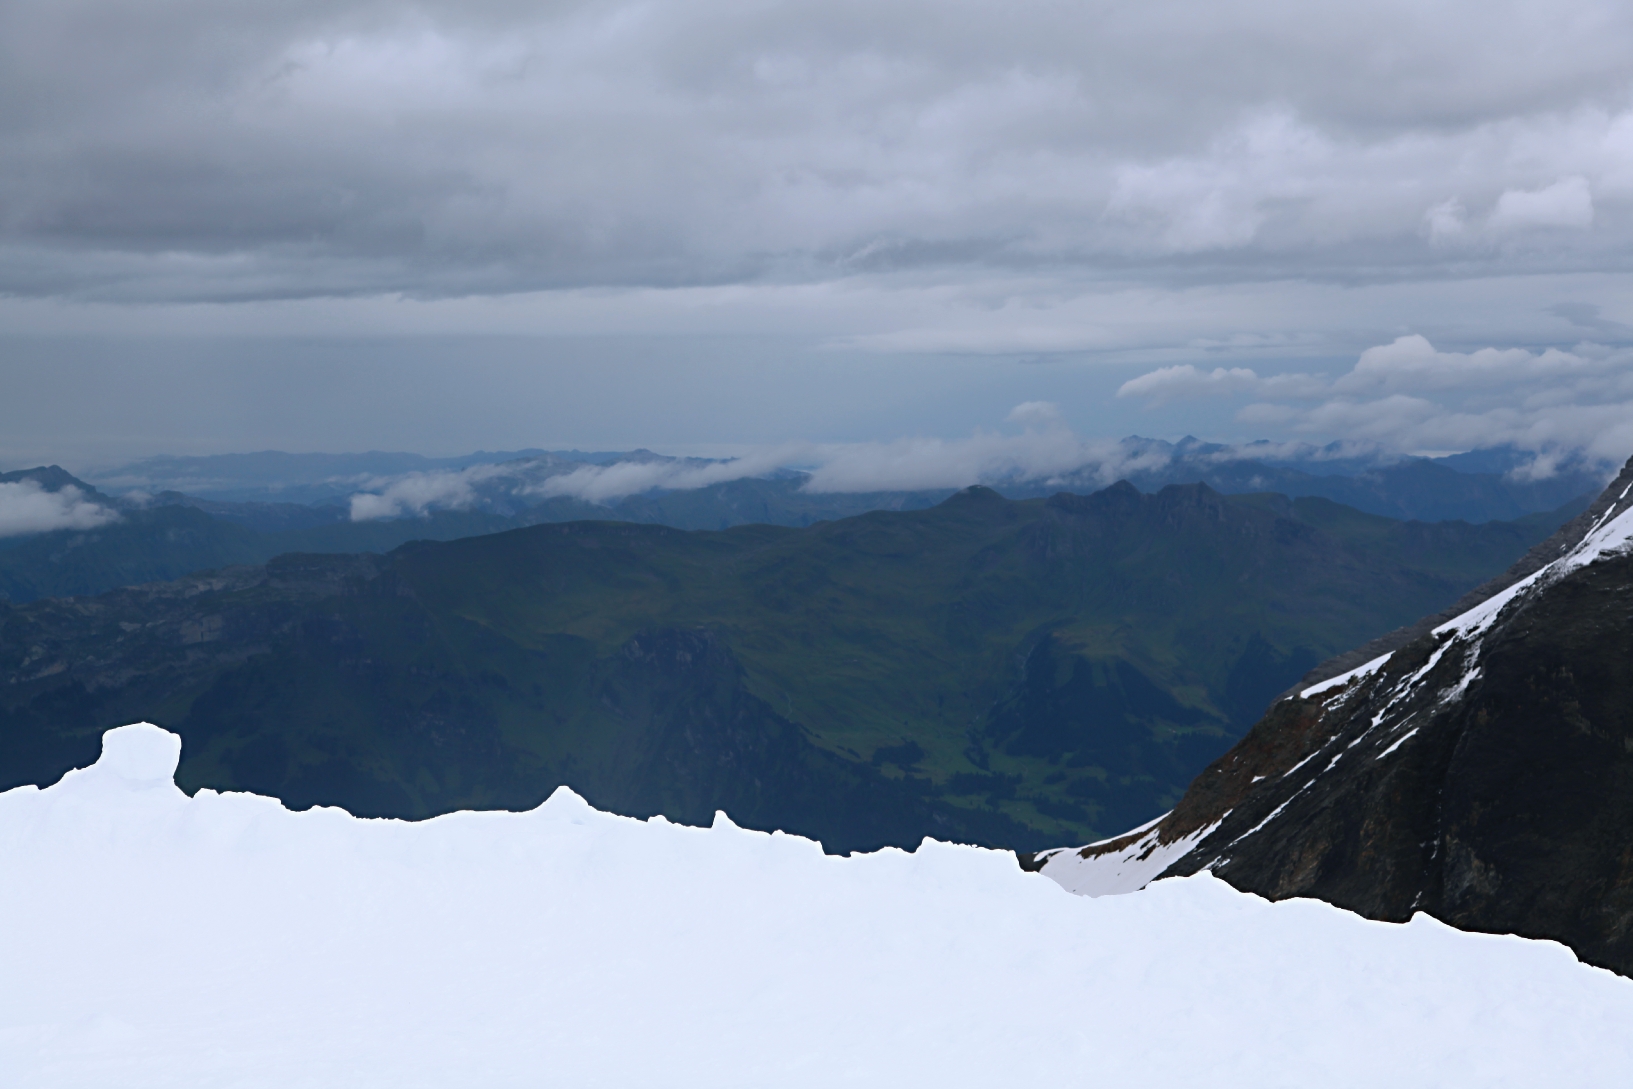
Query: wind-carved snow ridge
[151, 939]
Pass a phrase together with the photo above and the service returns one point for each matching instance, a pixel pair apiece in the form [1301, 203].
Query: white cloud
[1412, 363]
[1184, 380]
[1045, 449]
[26, 508]
[600, 483]
[525, 481]
[1407, 395]
[1447, 221]
[417, 493]
[918, 463]
[1036, 415]
[1566, 203]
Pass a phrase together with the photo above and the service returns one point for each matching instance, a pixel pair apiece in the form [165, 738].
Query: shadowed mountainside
[1481, 771]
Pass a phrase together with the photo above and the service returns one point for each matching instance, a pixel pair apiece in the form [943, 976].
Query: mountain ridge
[165, 538]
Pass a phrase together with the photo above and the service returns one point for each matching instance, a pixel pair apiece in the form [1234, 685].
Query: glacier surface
[150, 939]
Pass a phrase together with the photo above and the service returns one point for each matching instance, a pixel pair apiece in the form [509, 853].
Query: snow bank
[149, 939]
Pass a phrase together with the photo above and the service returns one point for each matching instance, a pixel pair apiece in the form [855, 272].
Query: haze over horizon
[731, 228]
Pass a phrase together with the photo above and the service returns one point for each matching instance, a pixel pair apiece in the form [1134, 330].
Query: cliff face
[1480, 770]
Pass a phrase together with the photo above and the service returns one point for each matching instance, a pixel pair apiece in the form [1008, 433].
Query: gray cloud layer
[197, 150]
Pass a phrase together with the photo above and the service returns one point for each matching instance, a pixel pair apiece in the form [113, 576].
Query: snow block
[141, 753]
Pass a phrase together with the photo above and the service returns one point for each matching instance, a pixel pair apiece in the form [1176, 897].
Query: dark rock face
[1483, 773]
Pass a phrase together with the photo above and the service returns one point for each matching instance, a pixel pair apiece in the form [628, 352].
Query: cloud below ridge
[600, 483]
[1044, 451]
[27, 508]
[415, 494]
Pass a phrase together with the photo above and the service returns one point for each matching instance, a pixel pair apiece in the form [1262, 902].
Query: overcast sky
[722, 224]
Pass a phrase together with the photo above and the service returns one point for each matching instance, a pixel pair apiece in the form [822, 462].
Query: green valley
[1014, 673]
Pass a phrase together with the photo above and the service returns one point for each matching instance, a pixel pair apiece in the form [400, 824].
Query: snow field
[149, 939]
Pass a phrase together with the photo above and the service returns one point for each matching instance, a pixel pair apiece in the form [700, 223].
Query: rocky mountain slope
[1479, 768]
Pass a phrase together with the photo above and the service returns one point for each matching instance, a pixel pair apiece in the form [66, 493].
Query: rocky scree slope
[1481, 770]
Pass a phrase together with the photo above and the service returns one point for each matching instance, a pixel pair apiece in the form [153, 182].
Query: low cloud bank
[25, 508]
[1044, 449]
[529, 480]
[415, 494]
[1563, 408]
[1407, 395]
[600, 483]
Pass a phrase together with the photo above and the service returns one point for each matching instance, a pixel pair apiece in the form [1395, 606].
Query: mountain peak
[976, 495]
[51, 478]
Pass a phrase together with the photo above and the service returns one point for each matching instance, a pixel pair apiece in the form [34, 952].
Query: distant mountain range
[307, 479]
[170, 535]
[240, 510]
[1477, 486]
[1013, 673]
[1477, 765]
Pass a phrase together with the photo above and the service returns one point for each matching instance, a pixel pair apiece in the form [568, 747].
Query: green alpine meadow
[1010, 673]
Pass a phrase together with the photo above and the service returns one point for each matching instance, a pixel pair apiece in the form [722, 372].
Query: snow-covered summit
[151, 939]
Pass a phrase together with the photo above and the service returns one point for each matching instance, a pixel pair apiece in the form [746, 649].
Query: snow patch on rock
[1113, 873]
[1344, 678]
